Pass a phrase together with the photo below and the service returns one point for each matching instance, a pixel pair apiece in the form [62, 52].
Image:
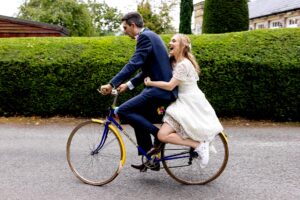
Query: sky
[10, 7]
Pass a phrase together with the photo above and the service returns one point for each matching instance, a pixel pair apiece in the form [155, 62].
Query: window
[292, 23]
[260, 26]
[276, 24]
[198, 29]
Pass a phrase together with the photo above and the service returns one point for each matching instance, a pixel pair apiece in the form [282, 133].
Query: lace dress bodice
[186, 73]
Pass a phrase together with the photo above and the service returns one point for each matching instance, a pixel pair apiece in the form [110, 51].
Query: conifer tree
[221, 16]
[186, 11]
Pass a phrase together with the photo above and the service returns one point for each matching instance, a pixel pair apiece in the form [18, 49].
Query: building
[14, 27]
[274, 14]
[198, 17]
[262, 14]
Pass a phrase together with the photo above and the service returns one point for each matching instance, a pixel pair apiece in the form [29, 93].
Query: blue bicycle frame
[111, 120]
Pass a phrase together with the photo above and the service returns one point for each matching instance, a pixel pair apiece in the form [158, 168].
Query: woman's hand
[147, 81]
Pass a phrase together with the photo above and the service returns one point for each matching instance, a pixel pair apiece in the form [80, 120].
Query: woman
[190, 120]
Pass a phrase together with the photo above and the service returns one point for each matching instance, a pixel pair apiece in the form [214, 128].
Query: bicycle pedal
[154, 167]
[151, 164]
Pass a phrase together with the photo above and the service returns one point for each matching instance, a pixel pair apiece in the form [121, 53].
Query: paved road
[264, 164]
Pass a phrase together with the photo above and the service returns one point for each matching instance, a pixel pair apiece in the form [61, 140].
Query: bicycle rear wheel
[90, 166]
[188, 171]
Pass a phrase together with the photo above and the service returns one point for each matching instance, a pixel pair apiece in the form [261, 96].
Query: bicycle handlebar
[115, 93]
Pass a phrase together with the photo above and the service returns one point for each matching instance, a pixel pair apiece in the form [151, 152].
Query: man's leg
[143, 139]
[138, 112]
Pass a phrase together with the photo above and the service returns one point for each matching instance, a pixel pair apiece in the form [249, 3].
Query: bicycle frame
[111, 120]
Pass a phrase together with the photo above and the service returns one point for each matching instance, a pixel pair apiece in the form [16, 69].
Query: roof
[45, 26]
[261, 8]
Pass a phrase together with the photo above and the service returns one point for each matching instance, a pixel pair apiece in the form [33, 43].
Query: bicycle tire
[192, 174]
[102, 167]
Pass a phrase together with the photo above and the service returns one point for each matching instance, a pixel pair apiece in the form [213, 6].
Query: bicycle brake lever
[99, 91]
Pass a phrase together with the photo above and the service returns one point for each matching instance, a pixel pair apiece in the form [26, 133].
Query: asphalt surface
[264, 163]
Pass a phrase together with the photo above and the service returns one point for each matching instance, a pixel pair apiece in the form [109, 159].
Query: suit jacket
[152, 58]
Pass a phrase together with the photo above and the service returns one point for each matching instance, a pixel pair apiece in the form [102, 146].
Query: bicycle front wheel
[89, 164]
[187, 169]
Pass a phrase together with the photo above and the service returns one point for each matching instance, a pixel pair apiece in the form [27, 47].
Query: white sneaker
[203, 152]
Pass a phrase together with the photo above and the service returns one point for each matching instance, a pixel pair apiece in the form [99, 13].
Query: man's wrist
[112, 85]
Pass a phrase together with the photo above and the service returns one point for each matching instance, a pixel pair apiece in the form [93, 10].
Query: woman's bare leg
[167, 134]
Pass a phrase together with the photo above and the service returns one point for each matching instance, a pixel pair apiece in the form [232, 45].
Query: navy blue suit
[152, 59]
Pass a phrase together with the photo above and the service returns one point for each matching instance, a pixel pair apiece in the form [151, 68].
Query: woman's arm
[162, 84]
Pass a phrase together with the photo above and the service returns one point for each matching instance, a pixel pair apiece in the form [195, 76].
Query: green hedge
[252, 74]
[249, 74]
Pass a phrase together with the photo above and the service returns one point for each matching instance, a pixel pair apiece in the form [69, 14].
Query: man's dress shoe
[143, 167]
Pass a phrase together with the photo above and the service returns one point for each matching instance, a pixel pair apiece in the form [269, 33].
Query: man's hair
[133, 17]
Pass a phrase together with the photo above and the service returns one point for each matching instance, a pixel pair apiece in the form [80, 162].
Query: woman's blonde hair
[186, 47]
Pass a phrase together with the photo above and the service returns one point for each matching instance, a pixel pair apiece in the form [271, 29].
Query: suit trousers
[141, 112]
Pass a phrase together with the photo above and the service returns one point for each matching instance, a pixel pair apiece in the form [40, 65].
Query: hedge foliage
[249, 74]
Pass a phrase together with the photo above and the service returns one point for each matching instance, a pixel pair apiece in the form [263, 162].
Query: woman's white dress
[191, 115]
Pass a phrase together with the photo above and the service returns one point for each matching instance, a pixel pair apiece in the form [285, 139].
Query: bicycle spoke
[188, 170]
[93, 167]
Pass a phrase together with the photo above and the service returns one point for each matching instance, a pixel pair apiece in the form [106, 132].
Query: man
[151, 58]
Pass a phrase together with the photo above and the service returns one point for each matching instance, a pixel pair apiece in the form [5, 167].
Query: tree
[221, 16]
[150, 18]
[165, 18]
[72, 14]
[106, 20]
[186, 11]
[159, 23]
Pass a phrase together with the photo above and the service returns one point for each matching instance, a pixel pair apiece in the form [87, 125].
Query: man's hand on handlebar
[105, 89]
[122, 88]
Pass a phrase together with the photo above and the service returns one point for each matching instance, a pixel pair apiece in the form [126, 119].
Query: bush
[250, 74]
[58, 76]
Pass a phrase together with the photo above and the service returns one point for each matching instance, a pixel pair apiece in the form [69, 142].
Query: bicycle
[96, 144]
